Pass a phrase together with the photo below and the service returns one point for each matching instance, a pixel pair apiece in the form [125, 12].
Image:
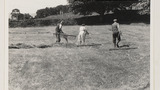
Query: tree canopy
[88, 6]
[100, 7]
[143, 5]
[41, 13]
[17, 15]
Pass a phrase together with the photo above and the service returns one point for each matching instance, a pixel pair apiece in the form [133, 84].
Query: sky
[31, 6]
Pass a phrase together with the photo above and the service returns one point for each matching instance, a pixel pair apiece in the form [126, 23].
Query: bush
[70, 22]
[45, 22]
[28, 23]
[13, 24]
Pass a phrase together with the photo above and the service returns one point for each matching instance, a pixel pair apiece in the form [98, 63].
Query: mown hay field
[40, 64]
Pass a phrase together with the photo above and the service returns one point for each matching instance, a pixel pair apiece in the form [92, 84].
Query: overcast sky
[31, 6]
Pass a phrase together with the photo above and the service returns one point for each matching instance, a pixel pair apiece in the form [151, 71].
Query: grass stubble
[57, 67]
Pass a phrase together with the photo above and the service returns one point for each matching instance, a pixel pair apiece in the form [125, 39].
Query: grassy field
[67, 67]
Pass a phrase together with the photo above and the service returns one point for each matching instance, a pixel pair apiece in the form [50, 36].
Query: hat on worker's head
[115, 20]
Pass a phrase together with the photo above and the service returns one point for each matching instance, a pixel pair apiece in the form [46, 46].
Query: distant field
[67, 67]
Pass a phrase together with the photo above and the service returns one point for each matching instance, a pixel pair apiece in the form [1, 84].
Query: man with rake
[116, 33]
[59, 32]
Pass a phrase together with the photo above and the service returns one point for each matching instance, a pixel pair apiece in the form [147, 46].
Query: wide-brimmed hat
[115, 20]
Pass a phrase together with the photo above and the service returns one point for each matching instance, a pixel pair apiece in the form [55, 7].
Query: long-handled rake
[65, 36]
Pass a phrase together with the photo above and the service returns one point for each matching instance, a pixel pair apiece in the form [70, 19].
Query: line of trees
[101, 7]
[143, 5]
[122, 9]
[16, 15]
[85, 7]
[52, 11]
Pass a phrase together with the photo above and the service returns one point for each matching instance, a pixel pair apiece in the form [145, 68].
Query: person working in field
[116, 33]
[82, 34]
[59, 33]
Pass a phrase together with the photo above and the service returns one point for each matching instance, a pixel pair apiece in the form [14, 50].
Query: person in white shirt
[82, 34]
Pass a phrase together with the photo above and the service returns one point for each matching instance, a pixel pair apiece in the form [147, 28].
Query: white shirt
[82, 29]
[60, 26]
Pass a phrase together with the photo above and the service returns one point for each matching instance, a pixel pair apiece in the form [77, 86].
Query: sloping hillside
[63, 16]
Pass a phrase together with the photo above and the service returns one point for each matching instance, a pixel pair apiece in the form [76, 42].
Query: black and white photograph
[79, 44]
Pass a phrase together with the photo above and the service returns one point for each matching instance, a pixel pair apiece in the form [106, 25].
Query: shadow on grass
[25, 46]
[124, 47]
[93, 44]
[43, 46]
[66, 45]
[129, 48]
[20, 45]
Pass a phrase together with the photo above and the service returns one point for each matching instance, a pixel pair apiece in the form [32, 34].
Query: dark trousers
[116, 35]
[58, 38]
